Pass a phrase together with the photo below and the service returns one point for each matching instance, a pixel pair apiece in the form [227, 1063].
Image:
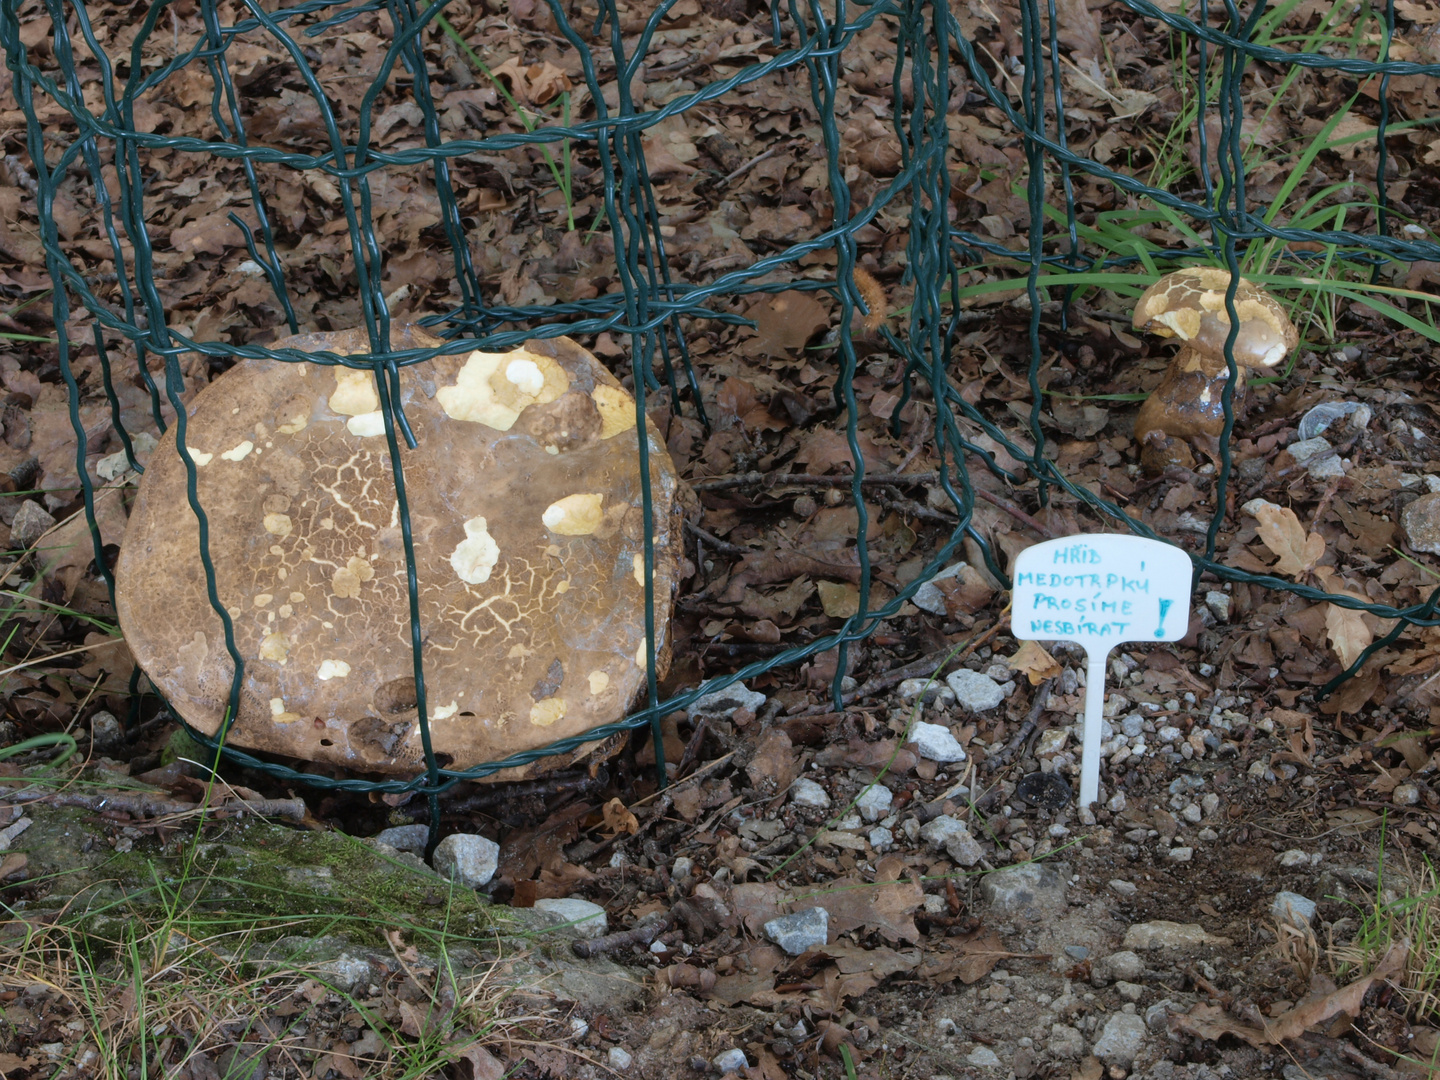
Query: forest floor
[978, 923]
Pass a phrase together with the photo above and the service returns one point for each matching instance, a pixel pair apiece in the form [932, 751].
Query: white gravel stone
[1209, 804]
[620, 1059]
[1219, 604]
[1180, 854]
[1163, 934]
[411, 838]
[1294, 857]
[806, 792]
[1052, 741]
[928, 597]
[1065, 1042]
[731, 1061]
[722, 704]
[935, 742]
[585, 919]
[1293, 909]
[984, 1057]
[681, 868]
[954, 836]
[1169, 734]
[975, 691]
[1124, 964]
[1192, 813]
[881, 839]
[798, 933]
[874, 802]
[1121, 1040]
[929, 689]
[466, 858]
[1028, 889]
[1405, 795]
[1124, 888]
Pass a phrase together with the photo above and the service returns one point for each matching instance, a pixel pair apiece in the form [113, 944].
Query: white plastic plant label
[1099, 590]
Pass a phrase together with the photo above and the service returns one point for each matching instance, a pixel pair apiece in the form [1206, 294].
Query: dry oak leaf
[1211, 1021]
[1280, 530]
[1345, 627]
[1037, 664]
[620, 820]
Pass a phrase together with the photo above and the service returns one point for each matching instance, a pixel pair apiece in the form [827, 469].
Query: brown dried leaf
[786, 323]
[619, 820]
[1211, 1022]
[887, 904]
[482, 1064]
[774, 765]
[970, 959]
[1280, 530]
[1037, 664]
[839, 599]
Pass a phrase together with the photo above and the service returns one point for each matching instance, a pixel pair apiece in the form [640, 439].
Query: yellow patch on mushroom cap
[599, 680]
[263, 599]
[347, 580]
[279, 524]
[444, 712]
[200, 457]
[332, 669]
[366, 425]
[575, 515]
[476, 555]
[641, 659]
[274, 647]
[279, 715]
[240, 453]
[485, 393]
[638, 562]
[616, 408]
[544, 713]
[354, 393]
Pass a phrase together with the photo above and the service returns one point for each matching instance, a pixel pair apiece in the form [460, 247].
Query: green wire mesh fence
[102, 142]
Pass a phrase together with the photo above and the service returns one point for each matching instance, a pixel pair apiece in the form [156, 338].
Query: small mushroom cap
[1190, 304]
[525, 507]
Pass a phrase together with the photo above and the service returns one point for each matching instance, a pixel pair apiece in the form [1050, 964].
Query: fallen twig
[622, 939]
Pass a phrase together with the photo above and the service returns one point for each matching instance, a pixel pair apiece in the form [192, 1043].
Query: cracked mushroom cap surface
[1190, 305]
[525, 504]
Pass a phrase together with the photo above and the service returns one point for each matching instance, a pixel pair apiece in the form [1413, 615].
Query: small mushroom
[1186, 406]
[525, 505]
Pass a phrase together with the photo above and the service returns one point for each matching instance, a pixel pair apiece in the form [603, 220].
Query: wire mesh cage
[99, 105]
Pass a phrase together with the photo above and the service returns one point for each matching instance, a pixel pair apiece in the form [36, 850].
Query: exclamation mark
[1164, 607]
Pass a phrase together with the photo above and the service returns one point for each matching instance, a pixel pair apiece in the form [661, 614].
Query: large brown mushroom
[525, 503]
[1187, 405]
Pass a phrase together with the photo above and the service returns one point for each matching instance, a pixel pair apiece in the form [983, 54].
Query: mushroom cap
[525, 504]
[1190, 304]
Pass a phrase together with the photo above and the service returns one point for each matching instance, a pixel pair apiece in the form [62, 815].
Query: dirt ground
[977, 923]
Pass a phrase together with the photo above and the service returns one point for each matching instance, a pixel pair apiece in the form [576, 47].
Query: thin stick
[152, 806]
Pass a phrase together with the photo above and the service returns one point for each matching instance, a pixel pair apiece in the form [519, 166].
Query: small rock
[1405, 794]
[1318, 419]
[578, 1027]
[1192, 813]
[1163, 934]
[1024, 1065]
[954, 836]
[106, 732]
[1294, 857]
[1209, 804]
[411, 838]
[1219, 604]
[798, 933]
[1420, 520]
[731, 1061]
[1125, 965]
[936, 743]
[620, 1058]
[1120, 1040]
[1051, 742]
[1065, 1042]
[1180, 854]
[806, 792]
[1293, 909]
[1076, 952]
[1027, 888]
[1124, 888]
[874, 802]
[30, 524]
[1318, 457]
[984, 1057]
[1157, 1016]
[1116, 803]
[975, 691]
[928, 690]
[681, 868]
[721, 704]
[1169, 734]
[928, 596]
[881, 839]
[1128, 990]
[581, 918]
[948, 1028]
[1133, 726]
[466, 858]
